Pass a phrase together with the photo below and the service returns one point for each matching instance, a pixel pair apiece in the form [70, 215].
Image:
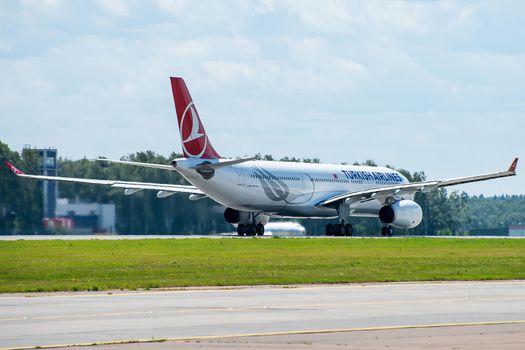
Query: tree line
[444, 213]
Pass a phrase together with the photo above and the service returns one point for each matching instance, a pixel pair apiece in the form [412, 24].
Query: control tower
[48, 166]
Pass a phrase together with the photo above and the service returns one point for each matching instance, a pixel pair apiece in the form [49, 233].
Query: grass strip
[58, 265]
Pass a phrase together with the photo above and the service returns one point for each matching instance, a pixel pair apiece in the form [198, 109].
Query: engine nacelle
[234, 216]
[402, 214]
[243, 217]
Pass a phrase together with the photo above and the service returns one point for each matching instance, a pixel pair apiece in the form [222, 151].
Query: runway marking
[152, 313]
[183, 309]
[244, 335]
[57, 317]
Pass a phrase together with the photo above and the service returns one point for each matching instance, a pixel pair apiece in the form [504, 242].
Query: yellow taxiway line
[242, 335]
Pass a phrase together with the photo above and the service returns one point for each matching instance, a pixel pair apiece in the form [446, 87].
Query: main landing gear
[386, 231]
[339, 230]
[250, 229]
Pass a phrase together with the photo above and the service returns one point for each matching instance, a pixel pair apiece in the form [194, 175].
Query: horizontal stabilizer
[224, 163]
[129, 162]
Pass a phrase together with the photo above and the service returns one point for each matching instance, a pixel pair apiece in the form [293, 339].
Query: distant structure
[87, 217]
[284, 228]
[49, 167]
[517, 231]
[61, 216]
[58, 225]
[511, 231]
[501, 231]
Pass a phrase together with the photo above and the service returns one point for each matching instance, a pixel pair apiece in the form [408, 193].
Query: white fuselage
[289, 189]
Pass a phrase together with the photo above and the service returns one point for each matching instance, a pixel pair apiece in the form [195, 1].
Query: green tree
[20, 199]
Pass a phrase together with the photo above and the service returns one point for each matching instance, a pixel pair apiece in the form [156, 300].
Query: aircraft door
[240, 178]
[305, 181]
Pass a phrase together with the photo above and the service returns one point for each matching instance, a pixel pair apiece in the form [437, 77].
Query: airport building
[517, 231]
[511, 231]
[87, 217]
[59, 215]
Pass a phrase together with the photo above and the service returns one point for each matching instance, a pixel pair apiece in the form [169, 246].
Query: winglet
[13, 168]
[512, 168]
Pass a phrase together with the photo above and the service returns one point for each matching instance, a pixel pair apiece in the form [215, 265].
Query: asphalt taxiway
[262, 317]
[471, 337]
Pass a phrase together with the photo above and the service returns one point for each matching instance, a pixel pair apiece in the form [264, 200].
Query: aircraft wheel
[250, 230]
[259, 229]
[339, 230]
[240, 229]
[386, 231]
[329, 230]
[349, 230]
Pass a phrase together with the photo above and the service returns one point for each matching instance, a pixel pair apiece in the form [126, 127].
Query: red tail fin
[195, 142]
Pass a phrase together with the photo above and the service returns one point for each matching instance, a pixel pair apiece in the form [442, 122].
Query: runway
[268, 317]
[217, 236]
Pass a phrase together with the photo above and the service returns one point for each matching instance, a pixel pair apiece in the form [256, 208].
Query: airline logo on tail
[195, 143]
[194, 140]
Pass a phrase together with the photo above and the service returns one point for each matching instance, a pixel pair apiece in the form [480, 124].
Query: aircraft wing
[381, 193]
[130, 187]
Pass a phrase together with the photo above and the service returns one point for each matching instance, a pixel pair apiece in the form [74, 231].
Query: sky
[433, 86]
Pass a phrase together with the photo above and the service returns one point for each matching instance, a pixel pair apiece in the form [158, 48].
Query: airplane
[253, 191]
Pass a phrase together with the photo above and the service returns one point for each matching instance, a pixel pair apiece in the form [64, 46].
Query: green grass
[27, 266]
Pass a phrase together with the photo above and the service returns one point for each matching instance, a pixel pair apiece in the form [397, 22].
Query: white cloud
[50, 4]
[228, 71]
[304, 49]
[262, 7]
[325, 16]
[174, 7]
[350, 66]
[193, 49]
[398, 16]
[6, 46]
[114, 7]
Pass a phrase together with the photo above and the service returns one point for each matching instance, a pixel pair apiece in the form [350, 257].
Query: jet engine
[402, 214]
[243, 217]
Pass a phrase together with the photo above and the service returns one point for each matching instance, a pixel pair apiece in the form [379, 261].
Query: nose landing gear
[386, 231]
